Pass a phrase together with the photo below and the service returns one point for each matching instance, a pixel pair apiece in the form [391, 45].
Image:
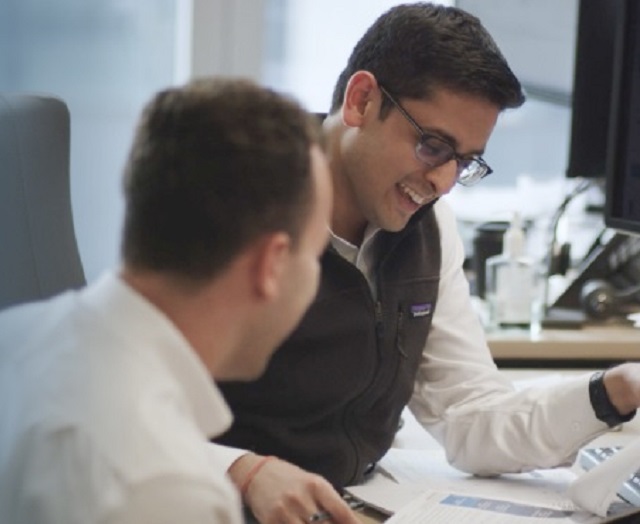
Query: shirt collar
[153, 332]
[350, 251]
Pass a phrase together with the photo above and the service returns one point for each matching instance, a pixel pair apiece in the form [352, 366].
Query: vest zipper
[379, 322]
[379, 331]
[377, 308]
[400, 332]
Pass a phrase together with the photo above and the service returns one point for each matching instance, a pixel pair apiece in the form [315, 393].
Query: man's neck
[346, 220]
[353, 235]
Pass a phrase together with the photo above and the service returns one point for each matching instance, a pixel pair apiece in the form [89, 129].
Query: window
[104, 59]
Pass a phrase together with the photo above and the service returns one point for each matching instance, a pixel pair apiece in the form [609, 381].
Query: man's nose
[443, 177]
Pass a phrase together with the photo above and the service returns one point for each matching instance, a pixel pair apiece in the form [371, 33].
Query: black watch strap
[602, 406]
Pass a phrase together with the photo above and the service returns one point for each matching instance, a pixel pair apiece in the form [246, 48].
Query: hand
[623, 387]
[282, 493]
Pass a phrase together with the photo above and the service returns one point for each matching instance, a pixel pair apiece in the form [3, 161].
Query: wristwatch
[602, 406]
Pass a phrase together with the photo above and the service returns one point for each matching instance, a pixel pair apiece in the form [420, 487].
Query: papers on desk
[417, 486]
[434, 507]
[635, 318]
[432, 471]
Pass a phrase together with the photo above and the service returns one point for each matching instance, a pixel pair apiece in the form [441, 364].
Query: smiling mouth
[413, 195]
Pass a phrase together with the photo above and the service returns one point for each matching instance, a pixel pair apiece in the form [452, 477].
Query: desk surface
[592, 343]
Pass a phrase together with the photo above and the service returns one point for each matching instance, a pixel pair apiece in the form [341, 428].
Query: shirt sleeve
[461, 398]
[225, 456]
[172, 499]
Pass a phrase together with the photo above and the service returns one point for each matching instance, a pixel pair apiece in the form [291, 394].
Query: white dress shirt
[461, 398]
[105, 412]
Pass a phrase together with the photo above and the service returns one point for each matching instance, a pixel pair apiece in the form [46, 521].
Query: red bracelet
[252, 473]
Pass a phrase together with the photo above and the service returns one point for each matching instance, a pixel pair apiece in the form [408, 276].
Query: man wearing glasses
[392, 324]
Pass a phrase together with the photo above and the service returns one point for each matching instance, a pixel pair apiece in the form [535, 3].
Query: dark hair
[414, 48]
[214, 165]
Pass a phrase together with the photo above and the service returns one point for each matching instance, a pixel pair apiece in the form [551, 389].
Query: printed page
[429, 469]
[437, 507]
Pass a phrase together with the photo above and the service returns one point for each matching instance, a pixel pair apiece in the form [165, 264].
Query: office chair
[38, 250]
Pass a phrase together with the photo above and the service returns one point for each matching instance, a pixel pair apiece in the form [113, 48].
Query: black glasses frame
[470, 170]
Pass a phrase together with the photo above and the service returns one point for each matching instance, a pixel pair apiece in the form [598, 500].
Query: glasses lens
[470, 172]
[433, 151]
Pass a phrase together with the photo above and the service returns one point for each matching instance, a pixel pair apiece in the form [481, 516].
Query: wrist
[619, 390]
[247, 469]
[607, 393]
[241, 466]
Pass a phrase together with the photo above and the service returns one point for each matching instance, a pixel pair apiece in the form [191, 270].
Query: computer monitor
[622, 201]
[595, 39]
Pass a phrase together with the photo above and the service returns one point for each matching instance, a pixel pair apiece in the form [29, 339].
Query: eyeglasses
[434, 151]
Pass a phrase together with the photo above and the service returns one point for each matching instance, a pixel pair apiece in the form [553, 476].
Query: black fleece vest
[331, 398]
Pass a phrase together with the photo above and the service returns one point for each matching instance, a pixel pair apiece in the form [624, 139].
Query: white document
[437, 507]
[418, 486]
[430, 469]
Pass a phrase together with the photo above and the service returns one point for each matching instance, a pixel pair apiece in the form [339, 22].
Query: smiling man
[392, 324]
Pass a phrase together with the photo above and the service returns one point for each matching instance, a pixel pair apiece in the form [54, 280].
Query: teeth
[417, 198]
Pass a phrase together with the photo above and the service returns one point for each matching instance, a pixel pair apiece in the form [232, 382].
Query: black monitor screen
[592, 86]
[622, 209]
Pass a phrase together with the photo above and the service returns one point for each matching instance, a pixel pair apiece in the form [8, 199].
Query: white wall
[319, 40]
[211, 37]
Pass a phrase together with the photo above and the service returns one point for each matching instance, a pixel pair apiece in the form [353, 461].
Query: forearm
[245, 468]
[509, 431]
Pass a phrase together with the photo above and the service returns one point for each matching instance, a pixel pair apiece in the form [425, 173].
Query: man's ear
[270, 264]
[359, 94]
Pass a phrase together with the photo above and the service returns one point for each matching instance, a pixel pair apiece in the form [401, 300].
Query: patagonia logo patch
[421, 310]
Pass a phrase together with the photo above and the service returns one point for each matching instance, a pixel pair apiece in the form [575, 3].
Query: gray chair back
[38, 250]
